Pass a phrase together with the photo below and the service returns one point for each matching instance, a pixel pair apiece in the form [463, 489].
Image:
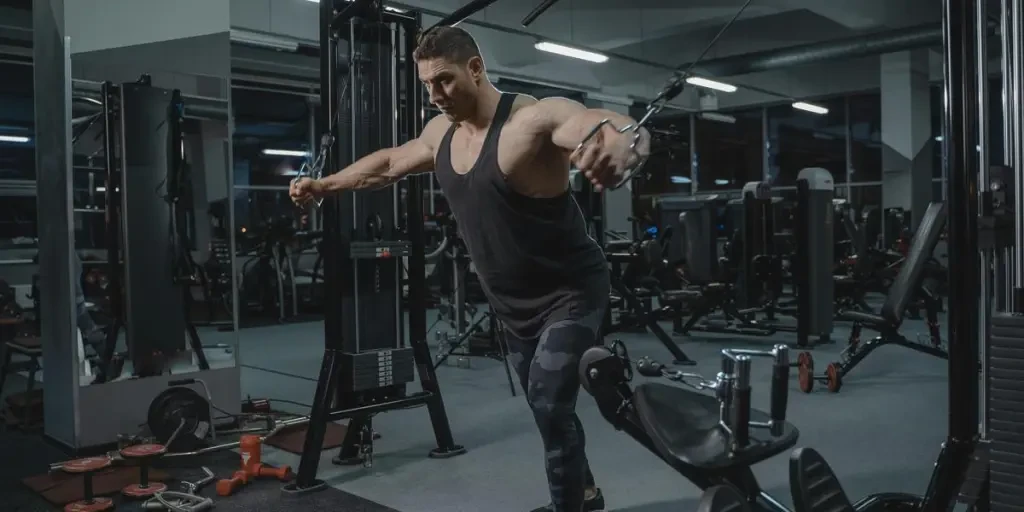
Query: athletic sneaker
[593, 504]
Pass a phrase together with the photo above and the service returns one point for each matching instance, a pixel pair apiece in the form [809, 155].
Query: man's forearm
[369, 172]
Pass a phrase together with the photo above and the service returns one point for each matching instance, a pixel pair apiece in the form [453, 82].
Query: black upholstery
[722, 498]
[870, 319]
[684, 429]
[814, 485]
[912, 270]
[815, 488]
[682, 295]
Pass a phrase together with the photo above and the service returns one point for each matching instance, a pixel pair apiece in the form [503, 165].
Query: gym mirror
[153, 251]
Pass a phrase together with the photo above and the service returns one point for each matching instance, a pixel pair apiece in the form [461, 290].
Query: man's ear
[475, 66]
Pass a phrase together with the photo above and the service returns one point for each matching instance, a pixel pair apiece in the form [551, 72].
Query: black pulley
[170, 408]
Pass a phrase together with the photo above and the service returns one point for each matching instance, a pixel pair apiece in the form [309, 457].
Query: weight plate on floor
[805, 359]
[94, 505]
[806, 377]
[835, 380]
[170, 408]
[138, 491]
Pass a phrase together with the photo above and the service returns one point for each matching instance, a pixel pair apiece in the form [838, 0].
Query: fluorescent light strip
[14, 138]
[810, 107]
[386, 7]
[568, 51]
[285, 152]
[715, 116]
[710, 84]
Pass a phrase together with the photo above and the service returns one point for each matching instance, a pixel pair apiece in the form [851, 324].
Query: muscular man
[503, 163]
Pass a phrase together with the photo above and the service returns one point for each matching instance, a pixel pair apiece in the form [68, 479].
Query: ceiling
[646, 39]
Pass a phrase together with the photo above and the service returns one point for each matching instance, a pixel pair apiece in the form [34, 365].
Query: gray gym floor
[882, 432]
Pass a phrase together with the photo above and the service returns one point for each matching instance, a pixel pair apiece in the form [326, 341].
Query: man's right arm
[387, 166]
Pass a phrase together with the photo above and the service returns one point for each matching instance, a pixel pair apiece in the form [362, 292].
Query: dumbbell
[651, 368]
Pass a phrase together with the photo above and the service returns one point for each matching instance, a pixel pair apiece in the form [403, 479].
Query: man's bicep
[556, 118]
[412, 157]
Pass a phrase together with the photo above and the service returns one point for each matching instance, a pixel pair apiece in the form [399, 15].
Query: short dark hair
[450, 43]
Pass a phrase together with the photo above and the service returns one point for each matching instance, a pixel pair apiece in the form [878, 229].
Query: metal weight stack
[1006, 399]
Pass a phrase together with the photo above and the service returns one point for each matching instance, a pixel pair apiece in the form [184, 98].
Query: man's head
[450, 66]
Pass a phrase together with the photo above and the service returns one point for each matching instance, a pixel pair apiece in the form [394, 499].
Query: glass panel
[866, 137]
[798, 139]
[272, 136]
[729, 149]
[277, 257]
[17, 163]
[668, 168]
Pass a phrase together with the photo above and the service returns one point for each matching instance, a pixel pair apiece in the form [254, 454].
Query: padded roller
[591, 356]
[722, 498]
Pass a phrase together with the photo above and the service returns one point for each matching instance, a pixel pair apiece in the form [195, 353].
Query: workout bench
[711, 440]
[907, 285]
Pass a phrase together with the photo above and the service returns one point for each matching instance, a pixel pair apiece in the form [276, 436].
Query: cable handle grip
[740, 424]
[639, 160]
[780, 389]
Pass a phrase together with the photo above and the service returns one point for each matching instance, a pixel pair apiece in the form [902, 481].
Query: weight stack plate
[1006, 412]
[977, 475]
[375, 369]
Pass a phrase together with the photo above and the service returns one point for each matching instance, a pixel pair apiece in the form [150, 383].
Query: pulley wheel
[167, 411]
[835, 380]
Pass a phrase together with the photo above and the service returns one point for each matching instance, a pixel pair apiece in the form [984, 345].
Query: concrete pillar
[618, 204]
[55, 219]
[906, 132]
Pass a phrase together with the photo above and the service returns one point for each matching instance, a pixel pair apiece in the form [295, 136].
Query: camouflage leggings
[547, 368]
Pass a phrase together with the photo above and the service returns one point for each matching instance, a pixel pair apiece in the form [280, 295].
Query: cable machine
[366, 364]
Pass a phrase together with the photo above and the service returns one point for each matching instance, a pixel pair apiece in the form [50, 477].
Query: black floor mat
[26, 455]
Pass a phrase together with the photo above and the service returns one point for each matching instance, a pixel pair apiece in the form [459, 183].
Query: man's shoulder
[435, 129]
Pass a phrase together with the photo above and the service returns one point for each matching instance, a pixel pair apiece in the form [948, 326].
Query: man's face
[452, 87]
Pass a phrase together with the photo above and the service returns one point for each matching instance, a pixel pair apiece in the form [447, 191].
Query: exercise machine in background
[812, 267]
[148, 227]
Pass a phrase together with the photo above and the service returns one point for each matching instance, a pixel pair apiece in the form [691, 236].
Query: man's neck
[486, 108]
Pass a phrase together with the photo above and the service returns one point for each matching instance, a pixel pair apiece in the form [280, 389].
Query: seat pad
[685, 294]
[683, 426]
[870, 319]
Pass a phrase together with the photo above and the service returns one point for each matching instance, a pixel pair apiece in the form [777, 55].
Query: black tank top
[533, 256]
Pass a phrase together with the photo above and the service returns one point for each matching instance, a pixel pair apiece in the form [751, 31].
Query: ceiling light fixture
[568, 51]
[285, 152]
[710, 84]
[810, 107]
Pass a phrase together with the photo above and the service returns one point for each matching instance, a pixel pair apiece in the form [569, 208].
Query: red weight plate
[142, 451]
[93, 505]
[137, 491]
[805, 359]
[806, 378]
[835, 381]
[86, 465]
